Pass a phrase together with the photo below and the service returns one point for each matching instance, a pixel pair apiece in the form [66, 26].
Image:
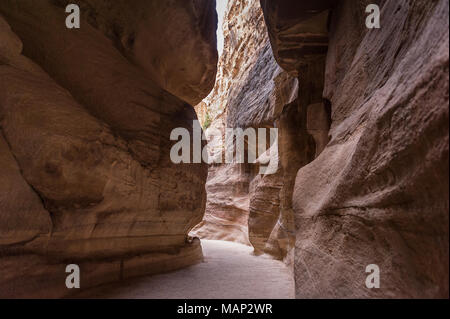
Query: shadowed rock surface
[85, 148]
[298, 31]
[378, 193]
[180, 59]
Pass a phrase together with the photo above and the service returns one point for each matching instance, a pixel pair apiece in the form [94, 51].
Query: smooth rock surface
[85, 142]
[227, 206]
[181, 59]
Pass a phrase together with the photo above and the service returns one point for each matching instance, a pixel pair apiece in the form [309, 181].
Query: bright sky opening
[221, 7]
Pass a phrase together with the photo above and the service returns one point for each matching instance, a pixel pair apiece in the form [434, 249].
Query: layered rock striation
[85, 144]
[253, 91]
[378, 192]
[227, 207]
[362, 118]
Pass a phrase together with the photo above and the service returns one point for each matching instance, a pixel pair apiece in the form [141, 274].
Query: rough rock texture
[85, 118]
[244, 36]
[23, 215]
[378, 193]
[86, 174]
[297, 31]
[252, 91]
[268, 96]
[226, 215]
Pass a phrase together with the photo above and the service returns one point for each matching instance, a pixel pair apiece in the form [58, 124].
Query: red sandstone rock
[87, 146]
[378, 193]
[180, 59]
[85, 117]
[253, 91]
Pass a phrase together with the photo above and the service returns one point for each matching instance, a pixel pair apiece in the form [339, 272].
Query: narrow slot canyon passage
[224, 149]
[231, 267]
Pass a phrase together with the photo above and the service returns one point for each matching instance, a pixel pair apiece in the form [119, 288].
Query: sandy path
[229, 271]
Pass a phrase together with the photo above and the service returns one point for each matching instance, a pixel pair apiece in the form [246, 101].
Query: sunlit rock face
[227, 207]
[86, 174]
[378, 192]
[253, 91]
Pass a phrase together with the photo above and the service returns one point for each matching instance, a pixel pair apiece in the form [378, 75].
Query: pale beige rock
[227, 206]
[85, 118]
[269, 97]
[274, 233]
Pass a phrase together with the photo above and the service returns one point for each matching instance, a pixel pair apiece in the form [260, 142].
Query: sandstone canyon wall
[363, 144]
[85, 118]
[378, 192]
[253, 91]
[227, 207]
[362, 119]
